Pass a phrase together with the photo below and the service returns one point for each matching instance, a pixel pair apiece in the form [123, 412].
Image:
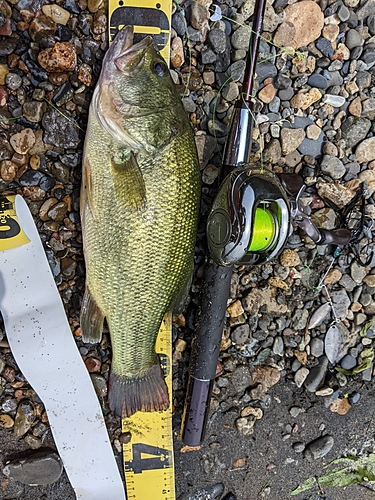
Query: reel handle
[337, 237]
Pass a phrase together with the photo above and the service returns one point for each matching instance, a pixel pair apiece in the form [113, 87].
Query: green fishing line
[263, 231]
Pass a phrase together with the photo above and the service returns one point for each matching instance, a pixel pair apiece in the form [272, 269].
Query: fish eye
[159, 68]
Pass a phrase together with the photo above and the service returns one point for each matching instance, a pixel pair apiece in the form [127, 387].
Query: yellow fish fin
[91, 319]
[129, 183]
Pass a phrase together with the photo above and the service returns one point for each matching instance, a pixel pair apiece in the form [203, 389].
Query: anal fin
[148, 392]
[91, 319]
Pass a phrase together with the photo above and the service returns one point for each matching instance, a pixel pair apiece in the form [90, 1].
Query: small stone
[267, 93]
[334, 100]
[298, 447]
[313, 132]
[4, 70]
[245, 426]
[303, 100]
[289, 258]
[353, 39]
[60, 58]
[235, 309]
[325, 391]
[58, 211]
[333, 167]
[23, 141]
[34, 110]
[6, 421]
[340, 406]
[230, 92]
[95, 5]
[41, 27]
[8, 170]
[278, 283]
[239, 462]
[316, 347]
[272, 151]
[33, 442]
[241, 379]
[370, 280]
[330, 32]
[59, 130]
[303, 24]
[333, 277]
[100, 384]
[93, 365]
[365, 151]
[318, 81]
[317, 375]
[368, 106]
[25, 417]
[210, 174]
[325, 47]
[291, 139]
[300, 376]
[354, 130]
[85, 74]
[319, 448]
[355, 107]
[240, 334]
[218, 40]
[240, 38]
[199, 16]
[56, 13]
[295, 411]
[348, 362]
[278, 346]
[250, 410]
[40, 468]
[342, 53]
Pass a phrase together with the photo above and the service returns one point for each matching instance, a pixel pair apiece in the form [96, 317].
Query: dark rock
[179, 22]
[348, 362]
[319, 448]
[218, 40]
[282, 82]
[368, 54]
[208, 56]
[286, 94]
[318, 81]
[8, 44]
[42, 467]
[325, 47]
[60, 130]
[354, 130]
[353, 39]
[265, 70]
[317, 375]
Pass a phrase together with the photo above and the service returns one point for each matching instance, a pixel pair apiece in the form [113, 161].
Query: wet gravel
[316, 110]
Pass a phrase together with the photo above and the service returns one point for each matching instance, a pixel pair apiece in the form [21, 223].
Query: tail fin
[146, 393]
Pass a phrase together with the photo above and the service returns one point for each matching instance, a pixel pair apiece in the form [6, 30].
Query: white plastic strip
[46, 353]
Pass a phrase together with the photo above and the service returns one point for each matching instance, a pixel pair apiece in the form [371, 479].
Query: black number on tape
[142, 18]
[161, 458]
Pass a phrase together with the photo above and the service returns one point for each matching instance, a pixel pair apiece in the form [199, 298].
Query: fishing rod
[251, 218]
[217, 278]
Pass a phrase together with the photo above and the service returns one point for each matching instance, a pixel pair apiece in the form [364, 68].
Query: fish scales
[139, 208]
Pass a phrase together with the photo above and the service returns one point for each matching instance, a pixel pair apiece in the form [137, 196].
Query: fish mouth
[126, 55]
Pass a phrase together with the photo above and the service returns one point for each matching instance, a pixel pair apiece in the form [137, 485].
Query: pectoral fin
[91, 319]
[129, 184]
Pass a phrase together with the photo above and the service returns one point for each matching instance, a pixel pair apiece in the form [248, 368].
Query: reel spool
[250, 218]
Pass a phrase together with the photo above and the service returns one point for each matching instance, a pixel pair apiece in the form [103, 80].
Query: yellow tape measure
[11, 232]
[148, 456]
[148, 18]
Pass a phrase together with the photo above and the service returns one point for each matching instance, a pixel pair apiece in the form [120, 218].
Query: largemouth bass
[139, 210]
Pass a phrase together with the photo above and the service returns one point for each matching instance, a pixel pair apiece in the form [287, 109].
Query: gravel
[316, 107]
